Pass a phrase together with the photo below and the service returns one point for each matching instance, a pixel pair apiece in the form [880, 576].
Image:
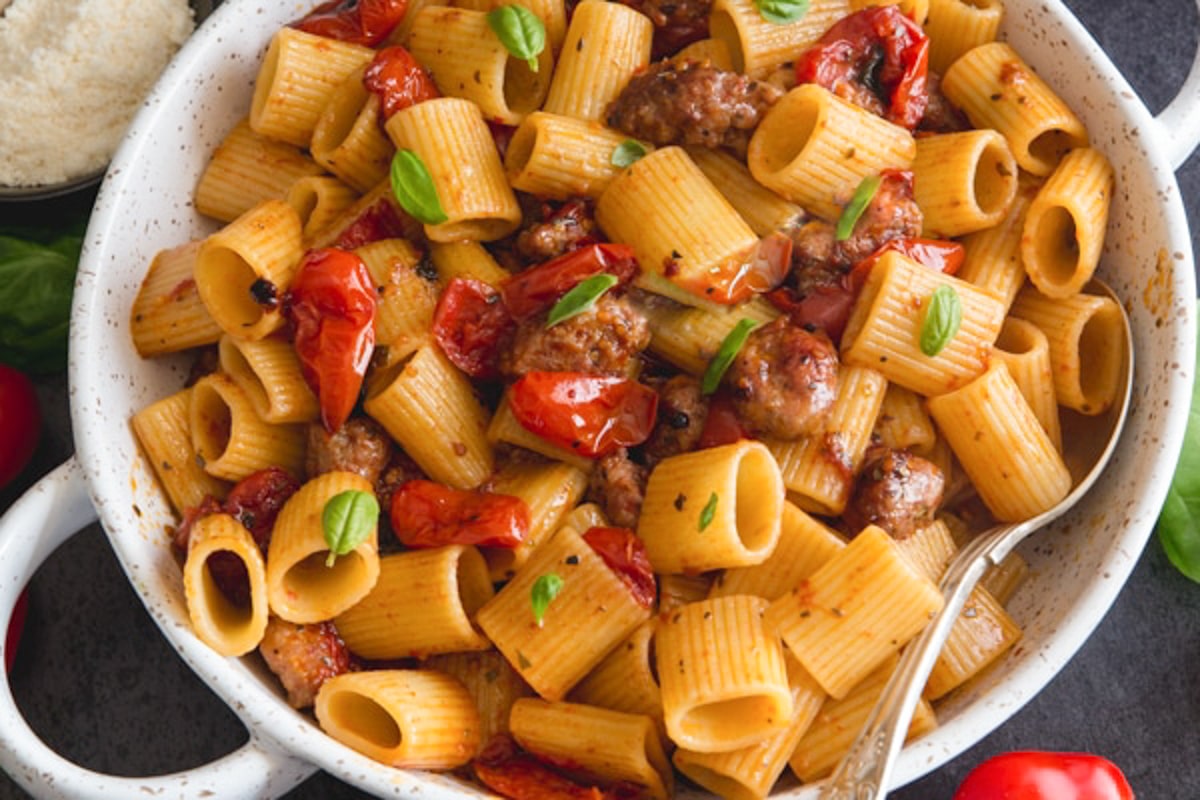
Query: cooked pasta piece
[605, 745]
[230, 626]
[815, 148]
[164, 431]
[505, 429]
[763, 210]
[552, 13]
[992, 258]
[467, 59]
[407, 299]
[347, 139]
[549, 491]
[713, 51]
[625, 679]
[963, 182]
[319, 201]
[712, 508]
[838, 629]
[556, 156]
[414, 719]
[168, 314]
[756, 45]
[551, 655]
[465, 260]
[885, 328]
[231, 440]
[1084, 334]
[492, 683]
[299, 73]
[243, 269]
[689, 337]
[903, 423]
[956, 26]
[1025, 351]
[721, 668]
[269, 373]
[998, 90]
[1065, 224]
[998, 440]
[302, 586]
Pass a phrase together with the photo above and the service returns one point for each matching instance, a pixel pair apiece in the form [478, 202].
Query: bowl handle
[1179, 123]
[47, 515]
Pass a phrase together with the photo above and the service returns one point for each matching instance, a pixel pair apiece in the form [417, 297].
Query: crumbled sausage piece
[557, 231]
[604, 340]
[399, 471]
[897, 491]
[360, 446]
[693, 104]
[303, 657]
[676, 22]
[784, 380]
[618, 485]
[682, 411]
[941, 116]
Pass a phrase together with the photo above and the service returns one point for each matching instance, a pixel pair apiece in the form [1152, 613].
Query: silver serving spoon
[865, 770]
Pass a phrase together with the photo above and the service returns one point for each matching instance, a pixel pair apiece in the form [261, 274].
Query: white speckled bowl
[145, 205]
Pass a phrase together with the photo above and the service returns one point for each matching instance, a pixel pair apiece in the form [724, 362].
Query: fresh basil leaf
[545, 589]
[36, 284]
[520, 31]
[781, 12]
[730, 346]
[348, 519]
[943, 316]
[581, 297]
[627, 152]
[413, 186]
[708, 512]
[1179, 521]
[866, 190]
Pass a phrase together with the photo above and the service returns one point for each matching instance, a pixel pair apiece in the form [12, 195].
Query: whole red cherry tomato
[15, 626]
[428, 514]
[591, 415]
[399, 81]
[383, 219]
[758, 270]
[255, 501]
[20, 422]
[1035, 775]
[538, 288]
[469, 324]
[332, 305]
[937, 254]
[366, 22]
[625, 555]
[878, 49]
[513, 773]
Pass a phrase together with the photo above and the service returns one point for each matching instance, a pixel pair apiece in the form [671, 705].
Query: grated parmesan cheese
[74, 75]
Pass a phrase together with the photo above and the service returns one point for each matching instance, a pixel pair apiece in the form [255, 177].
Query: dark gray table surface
[100, 685]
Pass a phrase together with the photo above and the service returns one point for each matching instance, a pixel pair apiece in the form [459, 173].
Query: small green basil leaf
[582, 296]
[855, 208]
[627, 152]
[413, 186]
[943, 316]
[781, 12]
[545, 589]
[520, 31]
[1179, 521]
[729, 349]
[348, 519]
[708, 512]
[37, 281]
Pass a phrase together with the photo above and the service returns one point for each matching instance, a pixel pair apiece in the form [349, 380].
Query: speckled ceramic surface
[1077, 568]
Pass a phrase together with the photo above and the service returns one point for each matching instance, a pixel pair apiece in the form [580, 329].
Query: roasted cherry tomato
[15, 626]
[877, 49]
[759, 270]
[428, 514]
[20, 422]
[517, 775]
[381, 220]
[255, 501]
[937, 254]
[399, 81]
[722, 425]
[1034, 775]
[538, 288]
[365, 22]
[591, 415]
[332, 306]
[625, 555]
[469, 325]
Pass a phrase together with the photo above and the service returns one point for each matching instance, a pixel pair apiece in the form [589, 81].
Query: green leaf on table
[347, 520]
[37, 281]
[1179, 520]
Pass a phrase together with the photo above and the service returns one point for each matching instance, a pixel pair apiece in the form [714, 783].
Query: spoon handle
[864, 771]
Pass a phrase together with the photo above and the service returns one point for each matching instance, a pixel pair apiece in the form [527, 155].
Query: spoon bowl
[865, 770]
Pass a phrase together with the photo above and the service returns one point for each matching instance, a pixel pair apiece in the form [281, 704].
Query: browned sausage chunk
[360, 446]
[784, 380]
[691, 104]
[303, 657]
[897, 491]
[676, 22]
[682, 411]
[618, 486]
[557, 231]
[603, 340]
[891, 214]
[941, 116]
